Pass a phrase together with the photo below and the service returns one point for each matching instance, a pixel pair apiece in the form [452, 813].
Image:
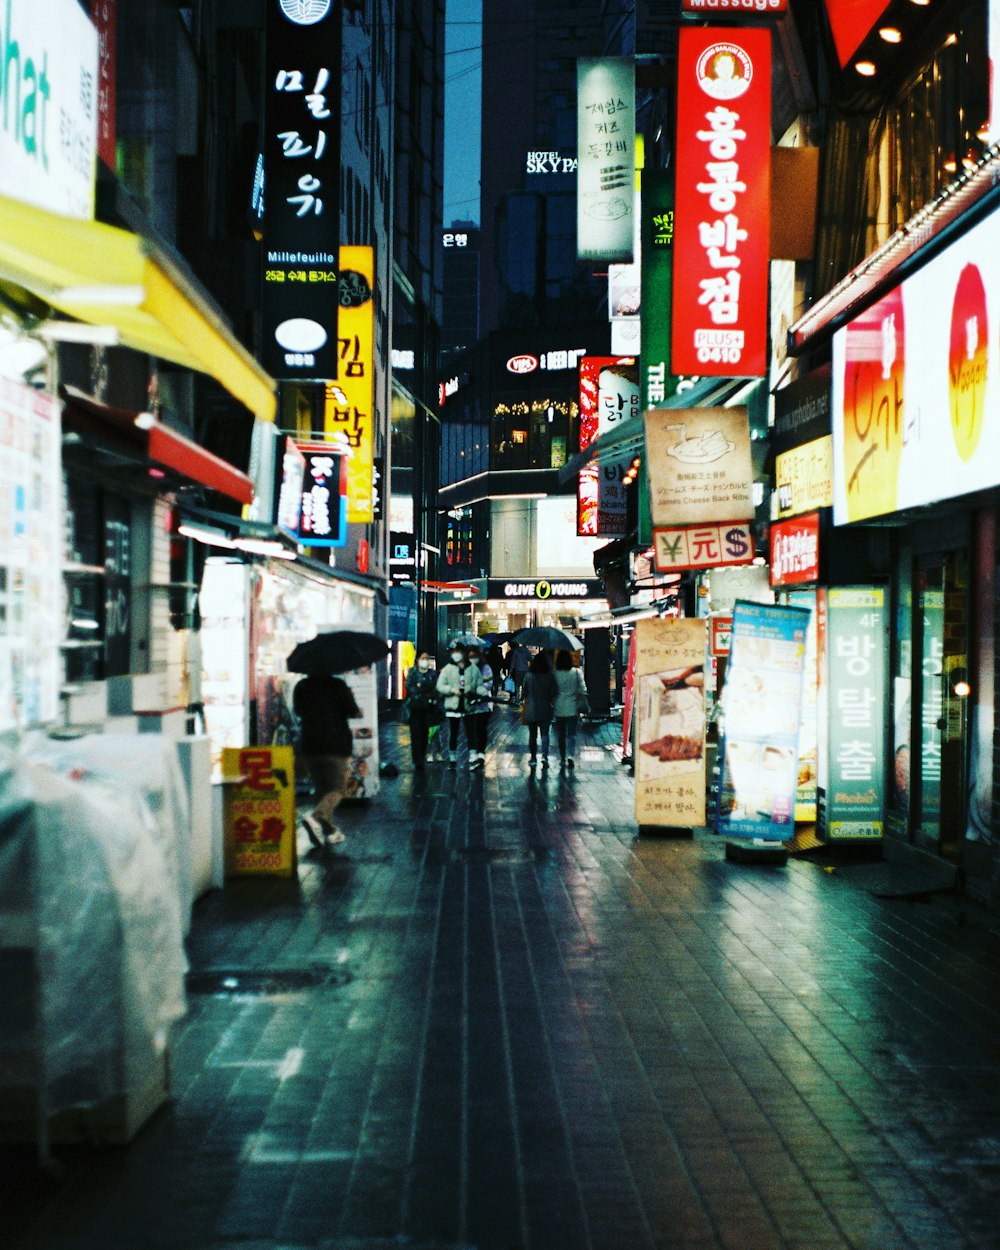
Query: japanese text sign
[723, 202]
[669, 702]
[48, 105]
[605, 175]
[795, 550]
[323, 508]
[701, 546]
[762, 706]
[915, 404]
[854, 644]
[349, 416]
[302, 190]
[259, 811]
[804, 477]
[699, 465]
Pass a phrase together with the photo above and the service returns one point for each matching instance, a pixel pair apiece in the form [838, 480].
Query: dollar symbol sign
[736, 543]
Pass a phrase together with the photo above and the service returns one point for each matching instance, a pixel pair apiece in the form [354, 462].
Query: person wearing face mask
[422, 707]
[451, 688]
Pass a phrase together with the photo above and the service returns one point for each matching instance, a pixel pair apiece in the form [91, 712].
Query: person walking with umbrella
[451, 687]
[539, 697]
[323, 704]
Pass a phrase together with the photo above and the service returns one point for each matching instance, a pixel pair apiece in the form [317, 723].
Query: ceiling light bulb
[891, 34]
[865, 68]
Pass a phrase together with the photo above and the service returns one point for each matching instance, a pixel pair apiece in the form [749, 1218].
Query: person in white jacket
[571, 700]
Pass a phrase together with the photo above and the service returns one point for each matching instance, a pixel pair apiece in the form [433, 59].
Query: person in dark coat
[423, 706]
[323, 705]
[539, 698]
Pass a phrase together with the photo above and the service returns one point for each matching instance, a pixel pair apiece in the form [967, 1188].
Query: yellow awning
[110, 277]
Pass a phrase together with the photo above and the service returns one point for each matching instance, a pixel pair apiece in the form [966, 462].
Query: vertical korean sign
[657, 254]
[669, 701]
[302, 189]
[852, 792]
[609, 395]
[723, 202]
[605, 174]
[323, 511]
[104, 15]
[349, 411]
[762, 706]
[259, 811]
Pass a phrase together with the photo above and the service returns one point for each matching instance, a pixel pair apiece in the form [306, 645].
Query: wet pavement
[497, 1019]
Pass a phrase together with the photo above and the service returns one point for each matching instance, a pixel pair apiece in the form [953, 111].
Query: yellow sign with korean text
[804, 477]
[670, 722]
[349, 416]
[259, 811]
[699, 465]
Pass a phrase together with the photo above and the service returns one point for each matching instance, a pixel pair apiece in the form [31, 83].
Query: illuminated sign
[550, 163]
[349, 411]
[402, 359]
[804, 477]
[605, 176]
[723, 202]
[293, 468]
[795, 551]
[302, 172]
[699, 465]
[609, 395]
[701, 546]
[542, 589]
[850, 22]
[525, 362]
[734, 6]
[323, 509]
[452, 238]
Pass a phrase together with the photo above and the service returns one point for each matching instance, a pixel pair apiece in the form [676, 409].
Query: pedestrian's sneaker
[312, 826]
[476, 759]
[334, 836]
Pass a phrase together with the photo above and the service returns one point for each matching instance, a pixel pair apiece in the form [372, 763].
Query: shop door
[940, 707]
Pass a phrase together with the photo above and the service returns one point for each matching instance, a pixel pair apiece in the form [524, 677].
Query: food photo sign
[699, 465]
[669, 714]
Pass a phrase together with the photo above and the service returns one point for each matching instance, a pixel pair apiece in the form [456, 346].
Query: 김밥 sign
[349, 417]
[605, 175]
[302, 191]
[723, 202]
[699, 465]
[668, 696]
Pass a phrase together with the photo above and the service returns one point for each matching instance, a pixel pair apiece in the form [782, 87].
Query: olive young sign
[542, 588]
[916, 402]
[48, 105]
[302, 189]
[723, 202]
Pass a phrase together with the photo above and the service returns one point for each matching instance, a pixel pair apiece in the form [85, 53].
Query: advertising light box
[606, 157]
[916, 407]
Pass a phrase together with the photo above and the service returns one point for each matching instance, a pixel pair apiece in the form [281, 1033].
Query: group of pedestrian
[463, 692]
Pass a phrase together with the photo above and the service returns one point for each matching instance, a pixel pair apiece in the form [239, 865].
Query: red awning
[956, 209]
[146, 437]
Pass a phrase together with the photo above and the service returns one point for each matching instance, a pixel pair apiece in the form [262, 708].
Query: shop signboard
[349, 412]
[723, 163]
[657, 259]
[804, 477]
[292, 470]
[541, 589]
[48, 105]
[31, 541]
[302, 76]
[609, 396]
[669, 700]
[850, 23]
[854, 643]
[104, 15]
[259, 811]
[795, 551]
[363, 782]
[699, 465]
[605, 175]
[916, 405]
[323, 502]
[761, 702]
[733, 8]
[806, 780]
[702, 546]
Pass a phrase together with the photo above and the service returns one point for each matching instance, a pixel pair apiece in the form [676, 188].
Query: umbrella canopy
[467, 640]
[339, 651]
[548, 637]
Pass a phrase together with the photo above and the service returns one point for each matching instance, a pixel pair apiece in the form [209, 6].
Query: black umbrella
[548, 638]
[339, 651]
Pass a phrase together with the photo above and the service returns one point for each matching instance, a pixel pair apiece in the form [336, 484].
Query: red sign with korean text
[609, 395]
[104, 15]
[723, 202]
[795, 550]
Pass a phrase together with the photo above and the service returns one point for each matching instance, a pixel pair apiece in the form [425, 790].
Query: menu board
[669, 702]
[762, 702]
[699, 465]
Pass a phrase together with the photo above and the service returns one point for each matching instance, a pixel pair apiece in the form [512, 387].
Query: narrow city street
[497, 1019]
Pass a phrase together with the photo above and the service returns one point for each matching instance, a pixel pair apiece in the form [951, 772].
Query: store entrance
[940, 711]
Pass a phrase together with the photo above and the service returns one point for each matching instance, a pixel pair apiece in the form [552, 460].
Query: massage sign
[722, 202]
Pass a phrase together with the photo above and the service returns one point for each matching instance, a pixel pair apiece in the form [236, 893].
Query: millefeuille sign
[48, 106]
[723, 188]
[302, 188]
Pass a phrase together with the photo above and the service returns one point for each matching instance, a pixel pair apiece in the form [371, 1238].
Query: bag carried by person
[509, 685]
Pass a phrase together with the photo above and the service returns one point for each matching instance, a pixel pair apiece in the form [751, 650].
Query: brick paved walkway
[500, 1021]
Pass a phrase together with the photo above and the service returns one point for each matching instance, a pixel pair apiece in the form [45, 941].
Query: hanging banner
[657, 256]
[104, 15]
[364, 779]
[806, 778]
[723, 163]
[702, 546]
[628, 701]
[795, 551]
[605, 174]
[609, 396]
[302, 77]
[259, 811]
[349, 413]
[699, 465]
[761, 702]
[323, 504]
[854, 667]
[669, 694]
